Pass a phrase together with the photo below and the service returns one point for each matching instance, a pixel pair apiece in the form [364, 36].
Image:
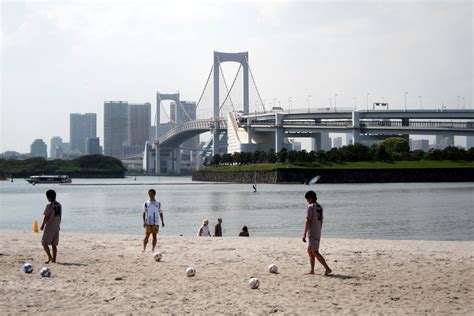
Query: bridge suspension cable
[205, 86]
[255, 84]
[231, 87]
[225, 84]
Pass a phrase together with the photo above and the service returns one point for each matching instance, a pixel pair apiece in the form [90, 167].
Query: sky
[62, 57]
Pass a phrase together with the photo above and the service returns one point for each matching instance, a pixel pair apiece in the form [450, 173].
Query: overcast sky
[60, 57]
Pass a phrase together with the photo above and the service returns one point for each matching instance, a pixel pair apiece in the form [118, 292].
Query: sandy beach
[110, 274]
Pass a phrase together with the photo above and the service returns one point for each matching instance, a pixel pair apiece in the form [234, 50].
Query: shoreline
[109, 273]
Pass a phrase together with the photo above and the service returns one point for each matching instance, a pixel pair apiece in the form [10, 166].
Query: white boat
[49, 179]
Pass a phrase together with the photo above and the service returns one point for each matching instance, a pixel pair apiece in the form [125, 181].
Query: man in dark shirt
[218, 228]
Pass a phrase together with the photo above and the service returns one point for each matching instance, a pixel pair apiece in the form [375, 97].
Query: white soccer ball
[272, 268]
[190, 272]
[157, 256]
[45, 272]
[27, 268]
[254, 283]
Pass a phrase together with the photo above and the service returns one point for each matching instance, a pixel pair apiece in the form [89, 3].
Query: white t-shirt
[152, 211]
[205, 231]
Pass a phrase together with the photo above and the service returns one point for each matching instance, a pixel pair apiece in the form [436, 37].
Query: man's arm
[306, 228]
[162, 220]
[144, 220]
[45, 217]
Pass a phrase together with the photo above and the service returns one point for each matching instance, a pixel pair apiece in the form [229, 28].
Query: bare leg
[50, 258]
[55, 252]
[154, 242]
[311, 261]
[145, 241]
[323, 262]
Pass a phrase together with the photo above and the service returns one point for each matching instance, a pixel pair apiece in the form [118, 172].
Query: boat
[49, 179]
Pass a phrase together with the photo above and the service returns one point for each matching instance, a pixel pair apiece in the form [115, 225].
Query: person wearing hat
[204, 229]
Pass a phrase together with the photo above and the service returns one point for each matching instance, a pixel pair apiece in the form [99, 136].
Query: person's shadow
[340, 276]
[72, 264]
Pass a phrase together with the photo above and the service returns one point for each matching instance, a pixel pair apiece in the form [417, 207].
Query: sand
[110, 274]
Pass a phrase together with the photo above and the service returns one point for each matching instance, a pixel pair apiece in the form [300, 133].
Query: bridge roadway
[299, 123]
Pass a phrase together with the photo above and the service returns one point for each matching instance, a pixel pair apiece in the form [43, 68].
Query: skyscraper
[39, 149]
[81, 127]
[115, 127]
[55, 143]
[93, 146]
[443, 141]
[139, 122]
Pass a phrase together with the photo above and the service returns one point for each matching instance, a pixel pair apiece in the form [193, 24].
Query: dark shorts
[50, 238]
[313, 244]
[152, 229]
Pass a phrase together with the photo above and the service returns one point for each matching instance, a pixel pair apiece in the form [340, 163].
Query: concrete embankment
[298, 175]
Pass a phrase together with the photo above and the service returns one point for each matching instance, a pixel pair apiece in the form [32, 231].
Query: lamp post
[463, 102]
[290, 101]
[330, 103]
[368, 101]
[421, 106]
[309, 97]
[335, 103]
[406, 93]
[458, 101]
[355, 103]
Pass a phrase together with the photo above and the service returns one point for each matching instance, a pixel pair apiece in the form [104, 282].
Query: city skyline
[392, 48]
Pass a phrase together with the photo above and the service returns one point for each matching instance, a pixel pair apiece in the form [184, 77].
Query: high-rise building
[337, 142]
[469, 142]
[115, 127]
[443, 141]
[81, 127]
[325, 142]
[55, 143]
[419, 144]
[182, 114]
[93, 146]
[39, 149]
[139, 122]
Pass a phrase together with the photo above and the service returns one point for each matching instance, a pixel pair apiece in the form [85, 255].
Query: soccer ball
[272, 268]
[190, 272]
[157, 256]
[45, 272]
[254, 283]
[27, 268]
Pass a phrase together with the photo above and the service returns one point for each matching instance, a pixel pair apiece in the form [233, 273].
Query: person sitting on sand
[218, 228]
[50, 226]
[312, 228]
[151, 212]
[244, 232]
[204, 229]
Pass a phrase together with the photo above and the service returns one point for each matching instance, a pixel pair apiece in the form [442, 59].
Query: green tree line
[390, 149]
[87, 166]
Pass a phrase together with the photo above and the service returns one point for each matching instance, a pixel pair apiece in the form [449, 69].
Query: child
[151, 211]
[204, 229]
[50, 226]
[313, 226]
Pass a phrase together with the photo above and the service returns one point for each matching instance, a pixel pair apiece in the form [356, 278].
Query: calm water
[436, 211]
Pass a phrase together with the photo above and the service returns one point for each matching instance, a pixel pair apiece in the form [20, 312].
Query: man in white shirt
[152, 213]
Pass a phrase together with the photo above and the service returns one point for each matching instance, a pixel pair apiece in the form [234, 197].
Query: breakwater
[301, 175]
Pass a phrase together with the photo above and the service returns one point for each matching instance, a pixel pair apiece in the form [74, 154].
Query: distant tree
[236, 157]
[417, 155]
[272, 157]
[282, 156]
[216, 160]
[381, 153]
[396, 147]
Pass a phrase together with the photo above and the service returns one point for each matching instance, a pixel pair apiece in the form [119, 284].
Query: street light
[421, 106]
[368, 101]
[335, 104]
[290, 101]
[458, 101]
[309, 96]
[463, 102]
[330, 103]
[355, 103]
[406, 93]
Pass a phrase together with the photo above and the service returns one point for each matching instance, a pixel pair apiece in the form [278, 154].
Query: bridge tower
[220, 57]
[176, 152]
